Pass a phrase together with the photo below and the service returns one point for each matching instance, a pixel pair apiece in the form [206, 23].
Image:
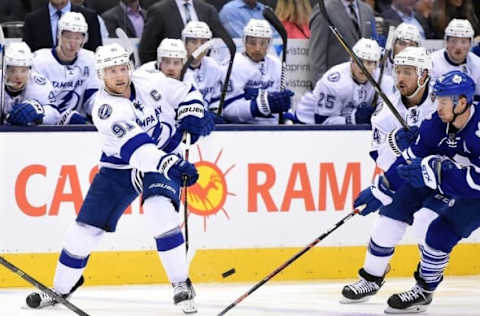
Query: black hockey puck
[228, 273]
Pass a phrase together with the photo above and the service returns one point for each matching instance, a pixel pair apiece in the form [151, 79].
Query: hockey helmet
[111, 55]
[455, 83]
[172, 48]
[18, 54]
[416, 57]
[459, 28]
[257, 28]
[367, 49]
[196, 29]
[408, 32]
[73, 22]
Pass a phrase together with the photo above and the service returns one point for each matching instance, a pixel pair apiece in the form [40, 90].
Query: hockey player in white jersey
[133, 115]
[28, 96]
[457, 55]
[204, 71]
[404, 35]
[71, 69]
[254, 94]
[414, 103]
[171, 55]
[343, 95]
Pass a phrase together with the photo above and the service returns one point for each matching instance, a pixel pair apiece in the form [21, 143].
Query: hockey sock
[432, 265]
[385, 236]
[171, 249]
[80, 241]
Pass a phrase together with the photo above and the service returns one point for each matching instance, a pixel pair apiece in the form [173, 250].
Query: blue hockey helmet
[455, 84]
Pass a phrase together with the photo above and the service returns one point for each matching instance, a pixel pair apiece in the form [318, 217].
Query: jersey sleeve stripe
[470, 181]
[88, 93]
[231, 100]
[133, 144]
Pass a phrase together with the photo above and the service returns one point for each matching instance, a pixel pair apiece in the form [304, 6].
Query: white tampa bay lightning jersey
[208, 79]
[37, 88]
[148, 116]
[74, 83]
[384, 122]
[249, 74]
[336, 95]
[442, 64]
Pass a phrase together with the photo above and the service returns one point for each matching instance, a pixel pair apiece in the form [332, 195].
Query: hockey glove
[27, 113]
[175, 168]
[195, 120]
[363, 113]
[401, 138]
[72, 117]
[426, 172]
[264, 103]
[374, 197]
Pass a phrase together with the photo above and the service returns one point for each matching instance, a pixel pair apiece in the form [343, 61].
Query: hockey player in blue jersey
[135, 117]
[445, 159]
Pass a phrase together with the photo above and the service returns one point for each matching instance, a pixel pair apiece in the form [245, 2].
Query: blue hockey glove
[72, 117]
[195, 120]
[401, 138]
[363, 113]
[175, 168]
[27, 113]
[374, 197]
[425, 172]
[264, 103]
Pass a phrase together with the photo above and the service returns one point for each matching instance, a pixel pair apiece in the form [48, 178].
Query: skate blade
[188, 306]
[411, 310]
[345, 300]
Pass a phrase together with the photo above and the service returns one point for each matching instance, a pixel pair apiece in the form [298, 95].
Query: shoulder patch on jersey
[334, 76]
[104, 111]
[39, 80]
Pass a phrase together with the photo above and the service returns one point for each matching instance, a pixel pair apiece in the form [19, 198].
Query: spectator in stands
[40, 30]
[294, 15]
[127, 15]
[237, 13]
[353, 18]
[11, 11]
[168, 18]
[404, 11]
[424, 7]
[445, 10]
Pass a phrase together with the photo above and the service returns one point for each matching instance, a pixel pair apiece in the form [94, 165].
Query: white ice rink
[456, 296]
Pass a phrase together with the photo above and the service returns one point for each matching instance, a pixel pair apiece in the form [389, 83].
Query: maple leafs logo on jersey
[457, 79]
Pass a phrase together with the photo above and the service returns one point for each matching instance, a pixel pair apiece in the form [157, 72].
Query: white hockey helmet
[18, 54]
[73, 22]
[196, 29]
[459, 28]
[111, 55]
[257, 28]
[408, 32]
[172, 48]
[367, 49]
[416, 57]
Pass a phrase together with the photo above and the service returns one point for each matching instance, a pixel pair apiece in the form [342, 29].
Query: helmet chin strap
[455, 103]
[419, 87]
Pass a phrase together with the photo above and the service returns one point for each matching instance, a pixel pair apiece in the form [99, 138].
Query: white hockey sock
[175, 263]
[386, 234]
[80, 241]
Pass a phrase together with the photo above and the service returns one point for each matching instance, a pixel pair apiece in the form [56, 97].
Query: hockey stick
[227, 39]
[291, 260]
[41, 287]
[270, 16]
[197, 52]
[359, 62]
[2, 80]
[386, 55]
[127, 44]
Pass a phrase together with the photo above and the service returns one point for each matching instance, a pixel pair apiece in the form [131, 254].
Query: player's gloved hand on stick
[194, 119]
[72, 117]
[426, 172]
[401, 138]
[27, 113]
[175, 168]
[374, 197]
[264, 103]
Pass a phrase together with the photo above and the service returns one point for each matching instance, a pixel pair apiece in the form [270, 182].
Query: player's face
[191, 44]
[17, 77]
[406, 79]
[458, 48]
[71, 42]
[117, 78]
[400, 44]
[171, 67]
[358, 73]
[256, 48]
[445, 108]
